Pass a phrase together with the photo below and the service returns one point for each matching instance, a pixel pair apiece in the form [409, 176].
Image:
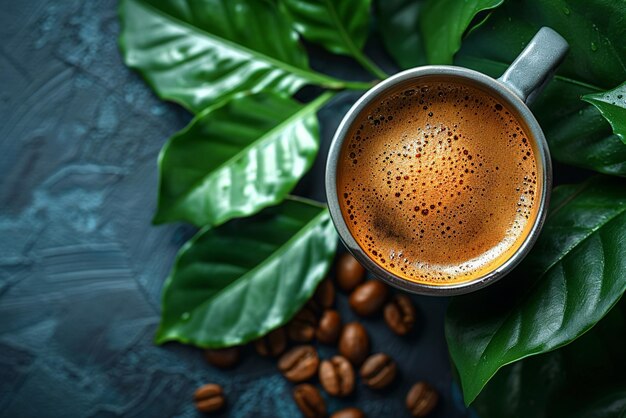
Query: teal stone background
[81, 266]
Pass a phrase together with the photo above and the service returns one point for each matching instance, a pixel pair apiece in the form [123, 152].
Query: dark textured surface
[81, 267]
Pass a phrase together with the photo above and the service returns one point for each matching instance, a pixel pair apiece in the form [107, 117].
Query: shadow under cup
[394, 230]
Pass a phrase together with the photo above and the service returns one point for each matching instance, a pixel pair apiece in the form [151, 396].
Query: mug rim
[495, 88]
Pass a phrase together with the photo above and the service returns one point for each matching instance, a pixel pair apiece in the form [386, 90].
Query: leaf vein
[306, 74]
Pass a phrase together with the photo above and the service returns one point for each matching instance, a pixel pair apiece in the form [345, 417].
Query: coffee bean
[329, 327]
[368, 298]
[400, 314]
[302, 327]
[421, 399]
[272, 344]
[310, 401]
[223, 358]
[354, 343]
[337, 376]
[325, 294]
[350, 272]
[209, 398]
[299, 364]
[348, 413]
[378, 371]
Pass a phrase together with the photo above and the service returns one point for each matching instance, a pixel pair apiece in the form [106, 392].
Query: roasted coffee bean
[354, 344]
[421, 399]
[272, 344]
[348, 413]
[329, 327]
[209, 398]
[223, 358]
[378, 371]
[299, 364]
[310, 401]
[337, 376]
[325, 294]
[400, 314]
[302, 327]
[368, 298]
[350, 272]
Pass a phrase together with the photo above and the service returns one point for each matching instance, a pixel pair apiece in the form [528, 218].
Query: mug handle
[534, 67]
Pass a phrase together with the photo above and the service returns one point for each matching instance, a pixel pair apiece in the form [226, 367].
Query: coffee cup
[438, 178]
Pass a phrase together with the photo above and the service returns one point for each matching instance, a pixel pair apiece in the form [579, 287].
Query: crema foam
[438, 182]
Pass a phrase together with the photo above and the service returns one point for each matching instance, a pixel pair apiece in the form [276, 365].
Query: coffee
[438, 182]
[336, 376]
[299, 364]
[348, 413]
[209, 398]
[378, 371]
[272, 344]
[302, 327]
[325, 294]
[354, 343]
[350, 273]
[329, 327]
[309, 401]
[400, 314]
[368, 298]
[224, 358]
[421, 399]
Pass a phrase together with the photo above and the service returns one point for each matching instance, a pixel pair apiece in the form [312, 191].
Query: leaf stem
[355, 51]
[358, 85]
[333, 83]
[369, 65]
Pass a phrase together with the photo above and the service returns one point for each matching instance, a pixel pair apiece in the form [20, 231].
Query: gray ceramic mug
[517, 87]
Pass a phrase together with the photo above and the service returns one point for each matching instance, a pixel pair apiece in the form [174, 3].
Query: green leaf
[399, 30]
[572, 277]
[237, 157]
[584, 379]
[235, 283]
[443, 23]
[576, 131]
[417, 32]
[341, 26]
[198, 52]
[610, 404]
[612, 105]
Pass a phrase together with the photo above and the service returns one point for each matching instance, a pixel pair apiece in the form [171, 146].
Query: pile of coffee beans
[339, 374]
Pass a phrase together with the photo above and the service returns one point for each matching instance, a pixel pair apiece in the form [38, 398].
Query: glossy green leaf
[585, 379]
[572, 277]
[235, 283]
[612, 105]
[198, 52]
[576, 131]
[236, 158]
[341, 26]
[417, 32]
[443, 23]
[399, 30]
